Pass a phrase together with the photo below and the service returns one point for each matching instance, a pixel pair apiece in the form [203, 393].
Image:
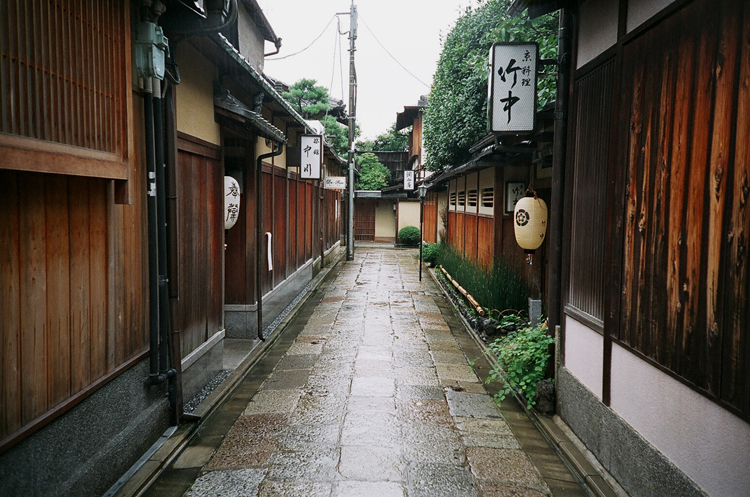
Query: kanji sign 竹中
[311, 149]
[512, 92]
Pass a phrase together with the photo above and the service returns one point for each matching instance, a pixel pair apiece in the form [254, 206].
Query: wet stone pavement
[368, 392]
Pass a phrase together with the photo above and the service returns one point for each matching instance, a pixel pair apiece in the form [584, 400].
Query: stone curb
[170, 447]
[572, 457]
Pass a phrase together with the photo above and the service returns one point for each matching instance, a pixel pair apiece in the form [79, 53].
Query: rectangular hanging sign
[311, 150]
[409, 180]
[512, 87]
[335, 183]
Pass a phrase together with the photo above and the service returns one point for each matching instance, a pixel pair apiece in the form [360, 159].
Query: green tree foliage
[372, 174]
[390, 141]
[456, 116]
[310, 101]
[307, 98]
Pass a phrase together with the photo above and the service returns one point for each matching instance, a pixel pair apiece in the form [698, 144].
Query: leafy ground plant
[522, 357]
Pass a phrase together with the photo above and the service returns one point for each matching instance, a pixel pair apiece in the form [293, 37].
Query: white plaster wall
[598, 29]
[640, 11]
[708, 443]
[486, 181]
[471, 184]
[408, 214]
[385, 220]
[583, 354]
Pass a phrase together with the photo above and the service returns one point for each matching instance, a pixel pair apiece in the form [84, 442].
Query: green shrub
[500, 287]
[430, 252]
[409, 235]
[522, 357]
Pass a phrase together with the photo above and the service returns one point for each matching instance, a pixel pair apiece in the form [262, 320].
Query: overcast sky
[409, 29]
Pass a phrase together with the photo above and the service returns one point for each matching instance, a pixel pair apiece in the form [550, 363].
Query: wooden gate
[364, 221]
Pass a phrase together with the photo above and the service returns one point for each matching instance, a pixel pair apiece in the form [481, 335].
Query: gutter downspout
[154, 377]
[259, 230]
[554, 295]
[161, 217]
[277, 44]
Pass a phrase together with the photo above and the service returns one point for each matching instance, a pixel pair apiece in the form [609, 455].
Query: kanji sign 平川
[311, 149]
[512, 92]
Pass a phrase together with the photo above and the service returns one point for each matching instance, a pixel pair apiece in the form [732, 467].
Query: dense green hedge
[409, 235]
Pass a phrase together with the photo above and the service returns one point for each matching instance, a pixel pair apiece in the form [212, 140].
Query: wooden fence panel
[486, 237]
[684, 272]
[470, 237]
[301, 221]
[280, 203]
[200, 217]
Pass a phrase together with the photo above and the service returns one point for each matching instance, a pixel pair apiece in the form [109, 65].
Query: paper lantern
[530, 223]
[231, 201]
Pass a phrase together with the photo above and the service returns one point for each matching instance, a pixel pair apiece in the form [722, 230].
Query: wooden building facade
[74, 232]
[655, 376]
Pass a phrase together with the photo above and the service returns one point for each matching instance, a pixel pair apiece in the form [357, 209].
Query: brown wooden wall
[677, 276]
[64, 108]
[431, 217]
[200, 196]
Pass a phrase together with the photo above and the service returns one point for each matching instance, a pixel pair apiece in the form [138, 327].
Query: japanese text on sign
[513, 87]
[408, 180]
[311, 149]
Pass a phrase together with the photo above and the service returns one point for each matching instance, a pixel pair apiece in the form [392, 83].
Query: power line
[389, 53]
[308, 46]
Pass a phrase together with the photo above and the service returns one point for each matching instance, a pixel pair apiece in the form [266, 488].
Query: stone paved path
[372, 396]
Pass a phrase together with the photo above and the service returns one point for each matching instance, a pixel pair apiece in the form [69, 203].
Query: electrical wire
[308, 46]
[389, 53]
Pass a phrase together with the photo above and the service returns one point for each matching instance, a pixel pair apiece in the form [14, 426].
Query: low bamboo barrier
[463, 292]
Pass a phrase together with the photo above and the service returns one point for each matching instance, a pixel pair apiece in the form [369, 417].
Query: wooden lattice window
[472, 202]
[64, 74]
[461, 198]
[453, 198]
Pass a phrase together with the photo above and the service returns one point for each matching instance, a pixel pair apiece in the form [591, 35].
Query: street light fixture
[422, 193]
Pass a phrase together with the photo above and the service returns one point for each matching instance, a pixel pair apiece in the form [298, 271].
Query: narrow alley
[368, 392]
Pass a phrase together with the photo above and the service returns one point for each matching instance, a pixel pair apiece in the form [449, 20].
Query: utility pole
[352, 119]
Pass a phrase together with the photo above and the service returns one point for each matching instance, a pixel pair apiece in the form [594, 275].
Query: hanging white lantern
[530, 223]
[231, 201]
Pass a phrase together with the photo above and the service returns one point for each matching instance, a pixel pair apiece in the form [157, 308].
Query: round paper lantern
[530, 223]
[231, 201]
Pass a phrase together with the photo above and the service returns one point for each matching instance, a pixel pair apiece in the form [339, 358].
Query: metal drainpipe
[154, 377]
[259, 232]
[161, 217]
[554, 297]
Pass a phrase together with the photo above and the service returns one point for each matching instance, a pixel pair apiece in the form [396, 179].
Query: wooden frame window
[65, 79]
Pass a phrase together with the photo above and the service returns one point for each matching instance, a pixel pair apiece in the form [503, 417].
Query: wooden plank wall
[680, 193]
[200, 193]
[431, 217]
[73, 296]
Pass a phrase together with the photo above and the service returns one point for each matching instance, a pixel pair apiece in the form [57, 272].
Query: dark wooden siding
[58, 333]
[679, 189]
[593, 94]
[431, 217]
[200, 192]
